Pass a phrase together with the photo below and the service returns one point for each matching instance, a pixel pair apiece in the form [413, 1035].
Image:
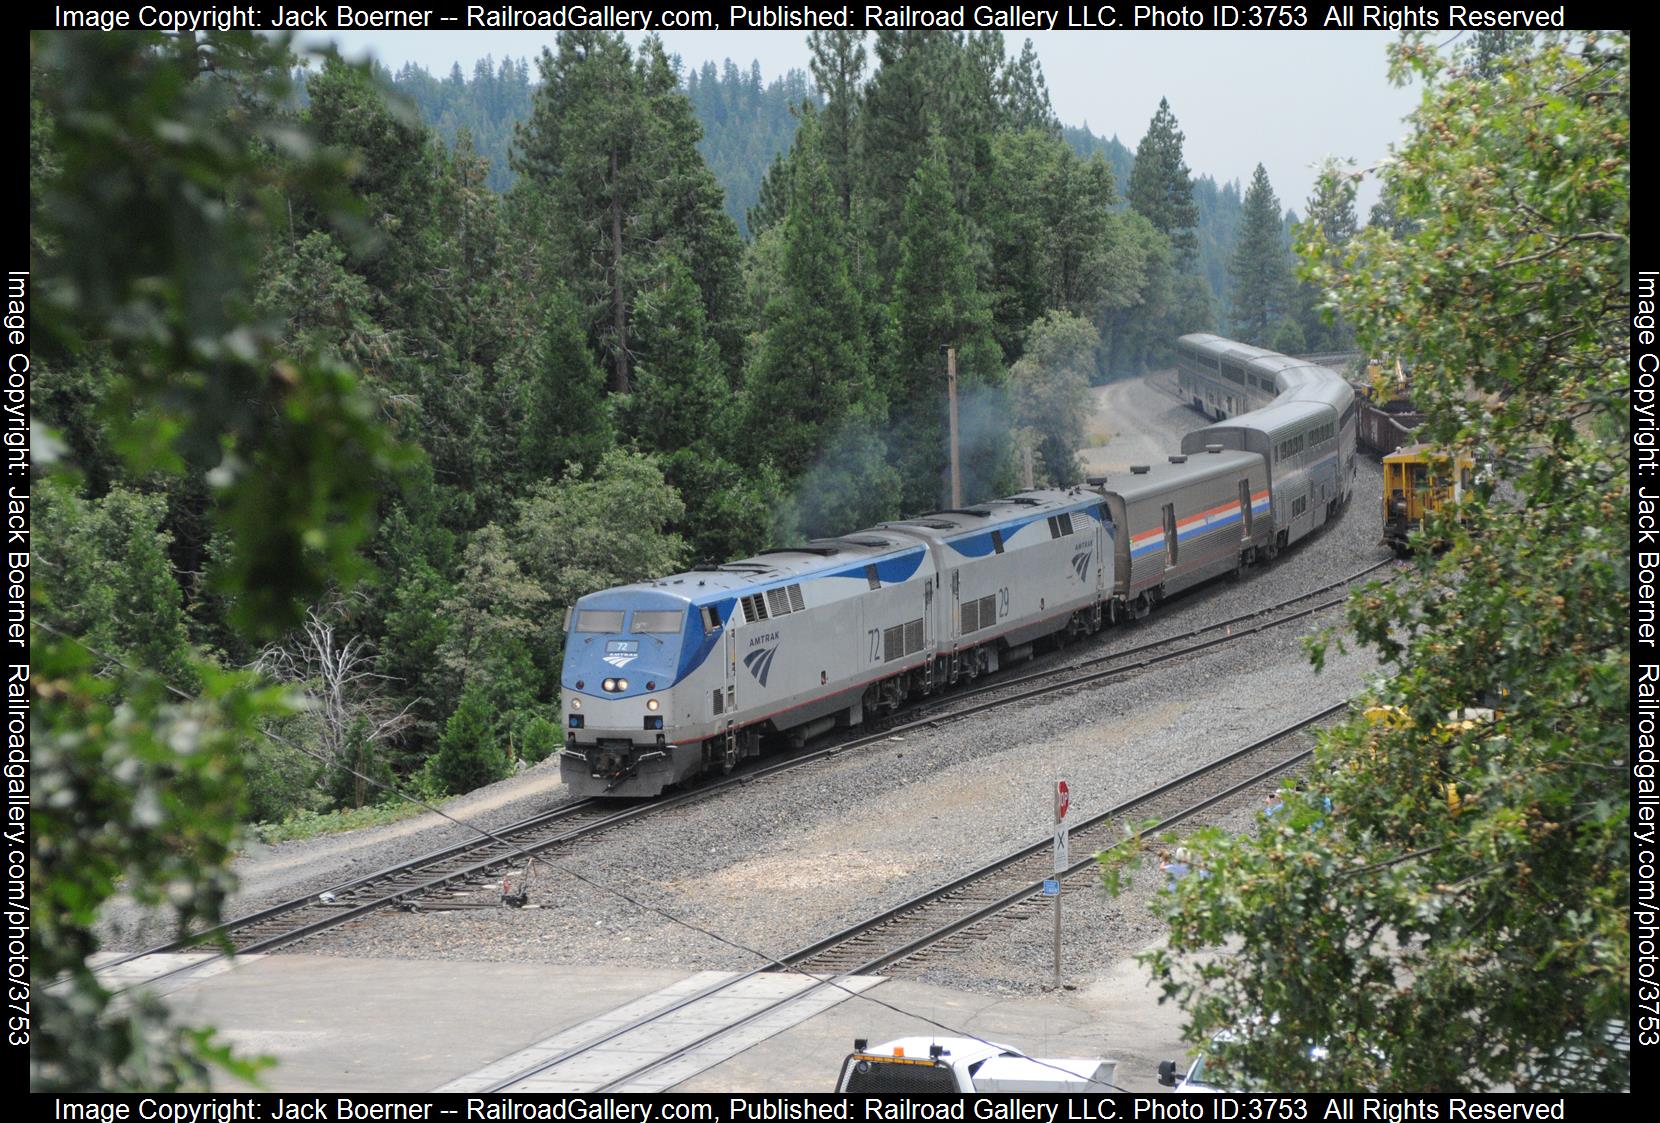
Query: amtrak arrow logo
[759, 663]
[620, 660]
[1080, 562]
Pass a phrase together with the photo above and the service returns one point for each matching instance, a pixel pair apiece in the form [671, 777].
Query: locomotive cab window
[711, 619]
[657, 623]
[597, 620]
[997, 541]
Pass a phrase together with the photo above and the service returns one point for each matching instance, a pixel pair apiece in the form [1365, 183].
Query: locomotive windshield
[595, 620]
[657, 623]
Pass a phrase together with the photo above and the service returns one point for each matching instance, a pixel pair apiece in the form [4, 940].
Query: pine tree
[936, 304]
[811, 368]
[470, 754]
[1330, 224]
[1161, 188]
[838, 67]
[610, 165]
[1261, 268]
[560, 416]
[1025, 95]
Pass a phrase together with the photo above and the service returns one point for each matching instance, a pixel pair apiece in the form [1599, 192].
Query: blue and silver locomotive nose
[623, 655]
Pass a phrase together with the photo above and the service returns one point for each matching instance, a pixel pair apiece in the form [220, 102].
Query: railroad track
[1153, 652]
[629, 1054]
[1011, 887]
[464, 867]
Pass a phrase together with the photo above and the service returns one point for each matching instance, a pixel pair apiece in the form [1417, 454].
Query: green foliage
[109, 578]
[937, 303]
[470, 754]
[1468, 893]
[306, 823]
[537, 738]
[484, 108]
[171, 166]
[1054, 242]
[562, 396]
[1261, 266]
[611, 175]
[838, 67]
[1331, 220]
[745, 125]
[1161, 188]
[136, 792]
[590, 532]
[1050, 390]
[140, 133]
[493, 626]
[811, 374]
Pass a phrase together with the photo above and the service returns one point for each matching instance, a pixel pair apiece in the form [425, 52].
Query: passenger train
[669, 679]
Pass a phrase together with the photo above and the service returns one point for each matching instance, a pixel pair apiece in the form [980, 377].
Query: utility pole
[951, 392]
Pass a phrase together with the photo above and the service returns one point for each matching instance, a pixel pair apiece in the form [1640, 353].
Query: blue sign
[1052, 888]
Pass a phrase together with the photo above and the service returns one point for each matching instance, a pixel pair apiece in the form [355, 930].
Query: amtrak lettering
[770, 637]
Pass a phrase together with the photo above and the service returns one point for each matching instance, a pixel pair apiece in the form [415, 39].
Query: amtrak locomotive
[668, 679]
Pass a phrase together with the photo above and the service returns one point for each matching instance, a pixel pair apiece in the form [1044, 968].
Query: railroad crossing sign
[1061, 858]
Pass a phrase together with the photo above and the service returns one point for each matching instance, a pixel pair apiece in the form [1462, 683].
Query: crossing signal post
[1063, 801]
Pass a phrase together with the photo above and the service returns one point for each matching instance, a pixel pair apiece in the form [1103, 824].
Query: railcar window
[658, 623]
[1298, 506]
[1170, 543]
[595, 620]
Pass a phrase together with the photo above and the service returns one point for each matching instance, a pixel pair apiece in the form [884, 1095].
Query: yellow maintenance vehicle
[1418, 480]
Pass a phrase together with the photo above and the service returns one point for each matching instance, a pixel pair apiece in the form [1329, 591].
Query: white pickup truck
[911, 1065]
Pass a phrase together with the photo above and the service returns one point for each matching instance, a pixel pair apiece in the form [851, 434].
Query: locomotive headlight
[652, 704]
[622, 684]
[610, 684]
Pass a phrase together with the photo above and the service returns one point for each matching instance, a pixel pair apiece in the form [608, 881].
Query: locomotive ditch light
[576, 703]
[653, 704]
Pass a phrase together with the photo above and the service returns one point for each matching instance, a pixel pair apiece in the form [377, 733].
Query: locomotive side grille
[913, 636]
[755, 608]
[971, 617]
[719, 707]
[893, 643]
[778, 602]
[796, 603]
[988, 611]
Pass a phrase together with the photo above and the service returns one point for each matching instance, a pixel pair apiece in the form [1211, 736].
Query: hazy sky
[1285, 99]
